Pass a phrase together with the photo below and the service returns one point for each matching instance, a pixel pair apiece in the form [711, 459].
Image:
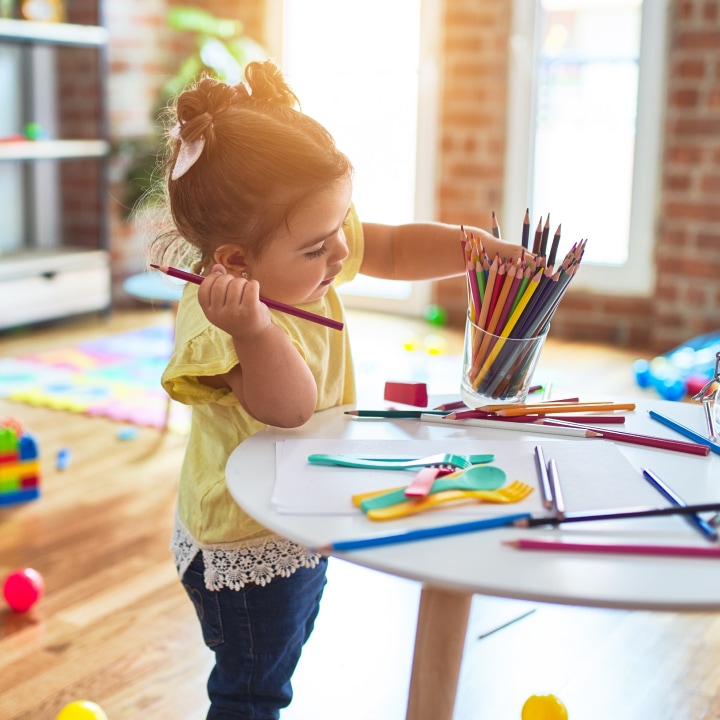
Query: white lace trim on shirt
[234, 565]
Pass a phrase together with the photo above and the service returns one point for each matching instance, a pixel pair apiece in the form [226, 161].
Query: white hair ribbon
[187, 155]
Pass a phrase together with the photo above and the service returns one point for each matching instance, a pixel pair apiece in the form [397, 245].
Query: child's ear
[232, 257]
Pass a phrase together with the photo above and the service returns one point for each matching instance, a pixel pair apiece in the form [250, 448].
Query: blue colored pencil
[423, 533]
[686, 431]
[703, 526]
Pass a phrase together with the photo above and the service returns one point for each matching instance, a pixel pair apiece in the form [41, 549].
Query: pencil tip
[152, 265]
[351, 412]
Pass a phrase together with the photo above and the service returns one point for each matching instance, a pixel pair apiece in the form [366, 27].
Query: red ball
[23, 588]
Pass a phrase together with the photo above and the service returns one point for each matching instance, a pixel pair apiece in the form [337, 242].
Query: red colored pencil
[616, 548]
[274, 304]
[636, 439]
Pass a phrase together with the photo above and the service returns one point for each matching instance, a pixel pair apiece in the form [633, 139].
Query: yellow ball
[410, 344]
[544, 707]
[435, 344]
[82, 710]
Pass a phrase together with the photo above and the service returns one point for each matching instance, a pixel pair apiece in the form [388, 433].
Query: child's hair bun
[267, 82]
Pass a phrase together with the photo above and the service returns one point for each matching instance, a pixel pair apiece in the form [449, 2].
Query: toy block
[407, 393]
[19, 465]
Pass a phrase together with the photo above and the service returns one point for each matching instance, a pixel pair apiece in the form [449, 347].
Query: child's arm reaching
[271, 380]
[423, 251]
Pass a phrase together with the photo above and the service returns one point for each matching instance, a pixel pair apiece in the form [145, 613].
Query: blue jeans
[257, 634]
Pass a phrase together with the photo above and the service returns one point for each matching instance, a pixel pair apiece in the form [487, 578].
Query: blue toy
[683, 370]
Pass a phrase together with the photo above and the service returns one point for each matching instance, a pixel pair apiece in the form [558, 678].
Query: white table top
[479, 562]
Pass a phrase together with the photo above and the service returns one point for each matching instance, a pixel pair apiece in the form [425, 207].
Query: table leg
[441, 629]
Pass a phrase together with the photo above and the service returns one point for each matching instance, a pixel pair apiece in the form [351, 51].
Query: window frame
[635, 277]
[426, 153]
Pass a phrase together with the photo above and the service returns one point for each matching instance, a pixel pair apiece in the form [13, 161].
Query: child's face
[300, 262]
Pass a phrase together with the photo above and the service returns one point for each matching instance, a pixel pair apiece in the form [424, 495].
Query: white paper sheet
[593, 474]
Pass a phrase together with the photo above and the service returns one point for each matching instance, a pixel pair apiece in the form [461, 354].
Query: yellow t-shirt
[219, 423]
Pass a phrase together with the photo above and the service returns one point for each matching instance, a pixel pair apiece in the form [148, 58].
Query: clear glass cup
[497, 369]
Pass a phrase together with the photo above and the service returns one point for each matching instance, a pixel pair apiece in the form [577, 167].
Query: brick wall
[686, 301]
[688, 241]
[473, 117]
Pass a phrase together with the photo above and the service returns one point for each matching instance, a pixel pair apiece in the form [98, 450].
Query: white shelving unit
[46, 272]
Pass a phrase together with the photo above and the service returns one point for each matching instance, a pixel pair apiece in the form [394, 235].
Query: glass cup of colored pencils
[497, 368]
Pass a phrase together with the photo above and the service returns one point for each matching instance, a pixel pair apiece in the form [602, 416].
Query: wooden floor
[115, 627]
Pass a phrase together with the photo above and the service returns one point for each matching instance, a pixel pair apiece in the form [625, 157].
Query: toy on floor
[82, 710]
[19, 464]
[682, 371]
[544, 707]
[23, 588]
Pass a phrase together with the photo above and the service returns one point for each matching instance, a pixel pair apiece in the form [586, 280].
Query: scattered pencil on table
[475, 414]
[626, 513]
[398, 414]
[700, 524]
[685, 431]
[690, 448]
[273, 304]
[543, 478]
[498, 424]
[548, 408]
[615, 548]
[422, 533]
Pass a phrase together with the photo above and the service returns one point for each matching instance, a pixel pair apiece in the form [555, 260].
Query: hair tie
[187, 155]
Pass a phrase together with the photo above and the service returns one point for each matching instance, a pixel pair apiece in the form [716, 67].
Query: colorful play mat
[115, 376]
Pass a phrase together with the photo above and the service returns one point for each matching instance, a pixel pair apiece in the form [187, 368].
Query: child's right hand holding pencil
[233, 304]
[271, 381]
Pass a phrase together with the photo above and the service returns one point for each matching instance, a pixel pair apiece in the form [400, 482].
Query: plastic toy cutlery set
[442, 479]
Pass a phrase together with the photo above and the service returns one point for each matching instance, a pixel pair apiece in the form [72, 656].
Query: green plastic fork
[442, 459]
[481, 477]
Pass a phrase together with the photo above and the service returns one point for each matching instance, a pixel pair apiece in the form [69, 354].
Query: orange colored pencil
[572, 408]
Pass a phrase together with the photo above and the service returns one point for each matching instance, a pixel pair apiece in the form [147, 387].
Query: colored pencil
[701, 525]
[421, 534]
[686, 431]
[554, 247]
[557, 496]
[396, 413]
[560, 401]
[538, 237]
[544, 480]
[495, 226]
[548, 408]
[598, 419]
[526, 229]
[454, 405]
[615, 548]
[625, 514]
[274, 304]
[540, 427]
[636, 439]
[544, 236]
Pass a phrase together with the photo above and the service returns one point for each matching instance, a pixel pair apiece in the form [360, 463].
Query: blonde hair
[261, 157]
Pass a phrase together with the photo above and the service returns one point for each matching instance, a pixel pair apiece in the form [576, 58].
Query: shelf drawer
[53, 287]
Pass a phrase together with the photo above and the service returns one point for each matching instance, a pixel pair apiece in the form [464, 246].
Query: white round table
[453, 568]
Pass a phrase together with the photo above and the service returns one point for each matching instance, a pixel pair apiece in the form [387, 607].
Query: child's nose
[339, 250]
